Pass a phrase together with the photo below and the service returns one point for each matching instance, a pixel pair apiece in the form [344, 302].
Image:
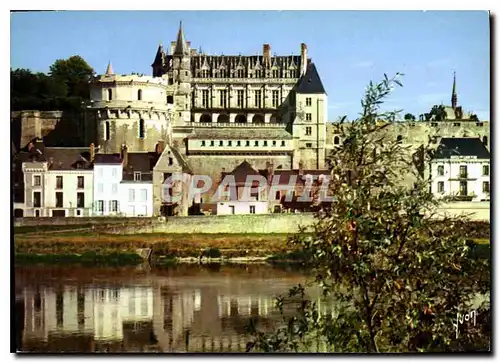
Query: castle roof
[159, 56]
[310, 81]
[461, 146]
[181, 47]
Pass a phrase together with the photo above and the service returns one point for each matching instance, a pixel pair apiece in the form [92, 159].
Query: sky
[349, 48]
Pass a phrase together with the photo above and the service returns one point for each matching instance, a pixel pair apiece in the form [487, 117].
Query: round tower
[131, 110]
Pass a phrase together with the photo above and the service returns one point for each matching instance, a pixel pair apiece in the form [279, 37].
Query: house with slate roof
[57, 181]
[460, 169]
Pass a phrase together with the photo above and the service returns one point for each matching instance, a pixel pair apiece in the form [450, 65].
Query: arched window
[141, 128]
[106, 131]
[170, 161]
[336, 140]
[276, 73]
[240, 73]
[139, 95]
[485, 140]
[110, 94]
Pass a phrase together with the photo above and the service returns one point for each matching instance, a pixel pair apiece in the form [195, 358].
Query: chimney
[303, 59]
[160, 146]
[92, 152]
[267, 54]
[301, 168]
[124, 155]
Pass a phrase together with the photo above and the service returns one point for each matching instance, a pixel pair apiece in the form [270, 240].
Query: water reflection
[180, 309]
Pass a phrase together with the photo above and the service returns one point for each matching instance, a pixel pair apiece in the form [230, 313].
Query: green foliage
[64, 88]
[409, 117]
[395, 277]
[438, 112]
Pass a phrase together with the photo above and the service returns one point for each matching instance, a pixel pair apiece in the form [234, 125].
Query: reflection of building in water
[98, 311]
[113, 307]
[245, 305]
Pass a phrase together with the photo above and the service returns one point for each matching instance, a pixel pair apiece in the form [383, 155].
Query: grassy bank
[86, 246]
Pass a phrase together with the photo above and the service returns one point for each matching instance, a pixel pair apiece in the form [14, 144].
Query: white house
[108, 170]
[460, 169]
[58, 182]
[241, 192]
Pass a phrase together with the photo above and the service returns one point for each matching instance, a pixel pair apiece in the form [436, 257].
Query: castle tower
[309, 126]
[181, 76]
[454, 98]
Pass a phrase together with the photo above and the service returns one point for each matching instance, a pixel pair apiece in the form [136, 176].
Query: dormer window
[137, 176]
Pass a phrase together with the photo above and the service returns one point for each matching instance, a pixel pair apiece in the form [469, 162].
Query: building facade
[460, 170]
[58, 183]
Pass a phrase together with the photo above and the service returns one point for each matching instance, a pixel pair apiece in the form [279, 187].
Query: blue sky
[349, 48]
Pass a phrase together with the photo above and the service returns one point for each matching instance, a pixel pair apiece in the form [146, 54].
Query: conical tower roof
[181, 47]
[109, 69]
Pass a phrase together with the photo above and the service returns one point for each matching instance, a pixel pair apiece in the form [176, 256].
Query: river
[180, 308]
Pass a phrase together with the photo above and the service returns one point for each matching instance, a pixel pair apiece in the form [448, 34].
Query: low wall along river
[241, 224]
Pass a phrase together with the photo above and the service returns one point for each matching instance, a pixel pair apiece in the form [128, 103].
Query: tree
[439, 112]
[75, 73]
[396, 276]
[409, 117]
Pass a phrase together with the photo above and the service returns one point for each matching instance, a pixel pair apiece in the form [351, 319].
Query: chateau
[225, 109]
[198, 114]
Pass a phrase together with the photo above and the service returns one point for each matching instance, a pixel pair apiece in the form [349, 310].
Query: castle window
[440, 186]
[221, 143]
[485, 140]
[222, 73]
[308, 101]
[440, 170]
[238, 143]
[265, 143]
[241, 73]
[456, 124]
[106, 131]
[308, 116]
[258, 99]
[308, 130]
[399, 138]
[137, 176]
[276, 95]
[204, 97]
[256, 143]
[336, 140]
[479, 124]
[276, 73]
[240, 95]
[110, 94]
[283, 143]
[141, 128]
[223, 98]
[170, 161]
[170, 100]
[212, 143]
[309, 145]
[203, 143]
[486, 170]
[229, 143]
[248, 143]
[258, 73]
[274, 142]
[139, 95]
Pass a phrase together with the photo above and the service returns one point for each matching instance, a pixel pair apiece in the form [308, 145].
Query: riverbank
[81, 245]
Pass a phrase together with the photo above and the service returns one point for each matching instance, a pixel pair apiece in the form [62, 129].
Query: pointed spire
[109, 69]
[180, 45]
[454, 97]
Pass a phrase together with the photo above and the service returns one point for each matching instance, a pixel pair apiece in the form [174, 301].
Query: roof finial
[109, 69]
[454, 97]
